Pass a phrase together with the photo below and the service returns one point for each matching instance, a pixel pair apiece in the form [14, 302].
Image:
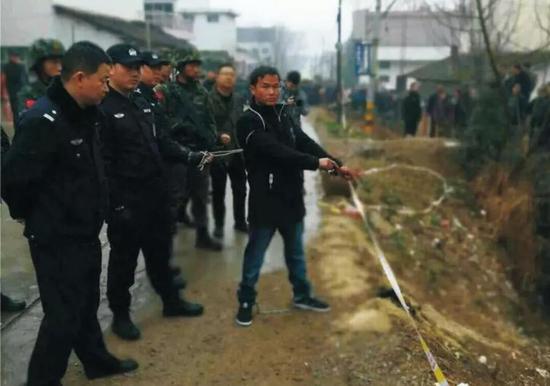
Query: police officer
[53, 179]
[8, 304]
[227, 107]
[151, 75]
[45, 58]
[188, 110]
[140, 217]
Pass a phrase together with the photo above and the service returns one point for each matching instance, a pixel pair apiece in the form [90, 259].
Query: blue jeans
[258, 242]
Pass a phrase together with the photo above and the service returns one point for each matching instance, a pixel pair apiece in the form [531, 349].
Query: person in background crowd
[16, 79]
[45, 58]
[8, 304]
[227, 106]
[209, 81]
[438, 109]
[294, 96]
[412, 110]
[522, 78]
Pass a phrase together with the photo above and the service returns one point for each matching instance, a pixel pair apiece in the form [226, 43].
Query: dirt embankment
[452, 264]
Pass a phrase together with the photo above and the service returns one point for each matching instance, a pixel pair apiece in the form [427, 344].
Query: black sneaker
[312, 304]
[244, 315]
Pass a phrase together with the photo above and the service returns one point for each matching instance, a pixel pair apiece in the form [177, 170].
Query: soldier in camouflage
[191, 122]
[45, 59]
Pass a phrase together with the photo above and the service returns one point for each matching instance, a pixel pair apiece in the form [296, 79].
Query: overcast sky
[316, 18]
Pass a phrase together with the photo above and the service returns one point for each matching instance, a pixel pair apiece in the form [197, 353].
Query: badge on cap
[155, 56]
[132, 52]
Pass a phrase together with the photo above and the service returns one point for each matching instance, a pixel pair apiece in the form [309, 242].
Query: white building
[212, 30]
[24, 21]
[408, 40]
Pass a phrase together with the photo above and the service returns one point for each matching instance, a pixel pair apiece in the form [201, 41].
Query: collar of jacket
[146, 91]
[267, 111]
[189, 84]
[59, 95]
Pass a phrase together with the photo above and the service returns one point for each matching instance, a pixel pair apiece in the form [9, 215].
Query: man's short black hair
[83, 56]
[260, 72]
[294, 77]
[226, 64]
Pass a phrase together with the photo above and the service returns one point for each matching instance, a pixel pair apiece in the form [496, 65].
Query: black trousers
[67, 273]
[411, 126]
[197, 186]
[145, 224]
[236, 171]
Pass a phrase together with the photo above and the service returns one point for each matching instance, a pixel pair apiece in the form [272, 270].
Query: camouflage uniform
[191, 123]
[40, 50]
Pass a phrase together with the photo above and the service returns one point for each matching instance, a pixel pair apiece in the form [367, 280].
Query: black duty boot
[181, 307]
[114, 367]
[218, 232]
[124, 328]
[184, 219]
[10, 305]
[204, 241]
[179, 282]
[241, 227]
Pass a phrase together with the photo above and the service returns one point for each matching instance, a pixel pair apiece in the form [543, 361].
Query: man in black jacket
[411, 110]
[277, 152]
[139, 218]
[53, 179]
[227, 106]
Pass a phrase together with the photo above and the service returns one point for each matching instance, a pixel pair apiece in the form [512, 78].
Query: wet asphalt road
[17, 274]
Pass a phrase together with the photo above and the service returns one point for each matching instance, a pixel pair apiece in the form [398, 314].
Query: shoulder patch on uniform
[118, 115]
[159, 94]
[77, 141]
[146, 110]
[49, 117]
[29, 103]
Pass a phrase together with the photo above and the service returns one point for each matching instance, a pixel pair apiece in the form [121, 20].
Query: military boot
[181, 307]
[124, 327]
[10, 305]
[204, 241]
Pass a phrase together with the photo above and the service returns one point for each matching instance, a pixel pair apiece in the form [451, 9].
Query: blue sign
[362, 58]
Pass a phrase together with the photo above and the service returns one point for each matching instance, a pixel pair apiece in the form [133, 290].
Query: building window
[168, 8]
[188, 17]
[384, 78]
[148, 7]
[265, 50]
[384, 64]
[213, 18]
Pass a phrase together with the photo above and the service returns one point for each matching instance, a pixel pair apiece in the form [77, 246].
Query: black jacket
[276, 153]
[411, 109]
[131, 148]
[52, 176]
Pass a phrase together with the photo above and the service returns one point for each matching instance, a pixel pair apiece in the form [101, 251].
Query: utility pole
[148, 33]
[339, 92]
[373, 84]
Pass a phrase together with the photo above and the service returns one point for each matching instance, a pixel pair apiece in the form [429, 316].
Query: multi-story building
[409, 40]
